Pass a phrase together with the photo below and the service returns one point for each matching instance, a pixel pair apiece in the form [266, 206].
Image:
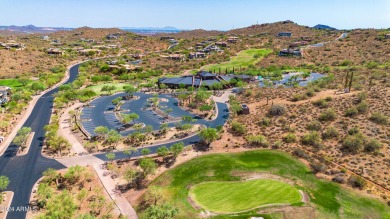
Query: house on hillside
[13, 45]
[55, 51]
[232, 39]
[166, 38]
[45, 37]
[112, 36]
[290, 52]
[222, 44]
[298, 44]
[284, 34]
[89, 51]
[387, 36]
[197, 55]
[177, 57]
[5, 94]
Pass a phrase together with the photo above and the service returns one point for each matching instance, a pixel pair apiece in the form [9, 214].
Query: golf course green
[229, 197]
[214, 177]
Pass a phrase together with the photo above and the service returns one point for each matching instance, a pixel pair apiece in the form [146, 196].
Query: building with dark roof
[202, 78]
[285, 34]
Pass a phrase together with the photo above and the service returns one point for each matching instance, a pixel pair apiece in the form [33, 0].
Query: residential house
[112, 36]
[222, 44]
[5, 94]
[387, 36]
[232, 39]
[89, 51]
[290, 52]
[196, 55]
[13, 45]
[284, 34]
[177, 57]
[202, 78]
[298, 44]
[55, 51]
[45, 37]
[166, 38]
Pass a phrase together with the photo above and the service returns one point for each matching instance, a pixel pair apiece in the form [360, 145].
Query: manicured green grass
[243, 59]
[98, 88]
[329, 198]
[228, 197]
[12, 83]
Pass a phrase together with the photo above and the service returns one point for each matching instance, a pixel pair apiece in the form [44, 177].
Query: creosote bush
[277, 110]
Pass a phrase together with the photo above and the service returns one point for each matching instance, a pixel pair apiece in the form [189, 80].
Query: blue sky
[193, 14]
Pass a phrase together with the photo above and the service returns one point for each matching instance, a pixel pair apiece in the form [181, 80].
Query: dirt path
[319, 95]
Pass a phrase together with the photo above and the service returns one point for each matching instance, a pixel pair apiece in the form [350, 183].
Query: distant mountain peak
[324, 27]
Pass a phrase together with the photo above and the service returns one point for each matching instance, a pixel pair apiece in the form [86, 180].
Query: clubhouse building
[202, 78]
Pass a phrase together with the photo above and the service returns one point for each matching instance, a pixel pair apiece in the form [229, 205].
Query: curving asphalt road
[24, 171]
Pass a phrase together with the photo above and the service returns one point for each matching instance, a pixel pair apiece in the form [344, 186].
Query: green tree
[129, 175]
[4, 182]
[129, 151]
[164, 211]
[101, 131]
[163, 152]
[176, 149]
[38, 86]
[44, 193]
[130, 90]
[51, 175]
[81, 196]
[148, 166]
[145, 151]
[60, 206]
[153, 194]
[208, 135]
[128, 118]
[113, 137]
[110, 156]
[58, 144]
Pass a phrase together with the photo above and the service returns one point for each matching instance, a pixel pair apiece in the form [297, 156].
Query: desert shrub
[298, 97]
[361, 96]
[238, 127]
[300, 153]
[372, 145]
[310, 92]
[353, 131]
[353, 143]
[314, 125]
[350, 112]
[318, 167]
[313, 139]
[330, 132]
[277, 110]
[362, 107]
[379, 118]
[329, 98]
[276, 145]
[357, 182]
[321, 103]
[258, 140]
[338, 179]
[289, 138]
[265, 121]
[328, 115]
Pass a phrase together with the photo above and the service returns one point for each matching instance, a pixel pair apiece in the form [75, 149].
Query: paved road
[24, 171]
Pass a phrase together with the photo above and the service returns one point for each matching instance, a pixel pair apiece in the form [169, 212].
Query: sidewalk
[66, 132]
[124, 206]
